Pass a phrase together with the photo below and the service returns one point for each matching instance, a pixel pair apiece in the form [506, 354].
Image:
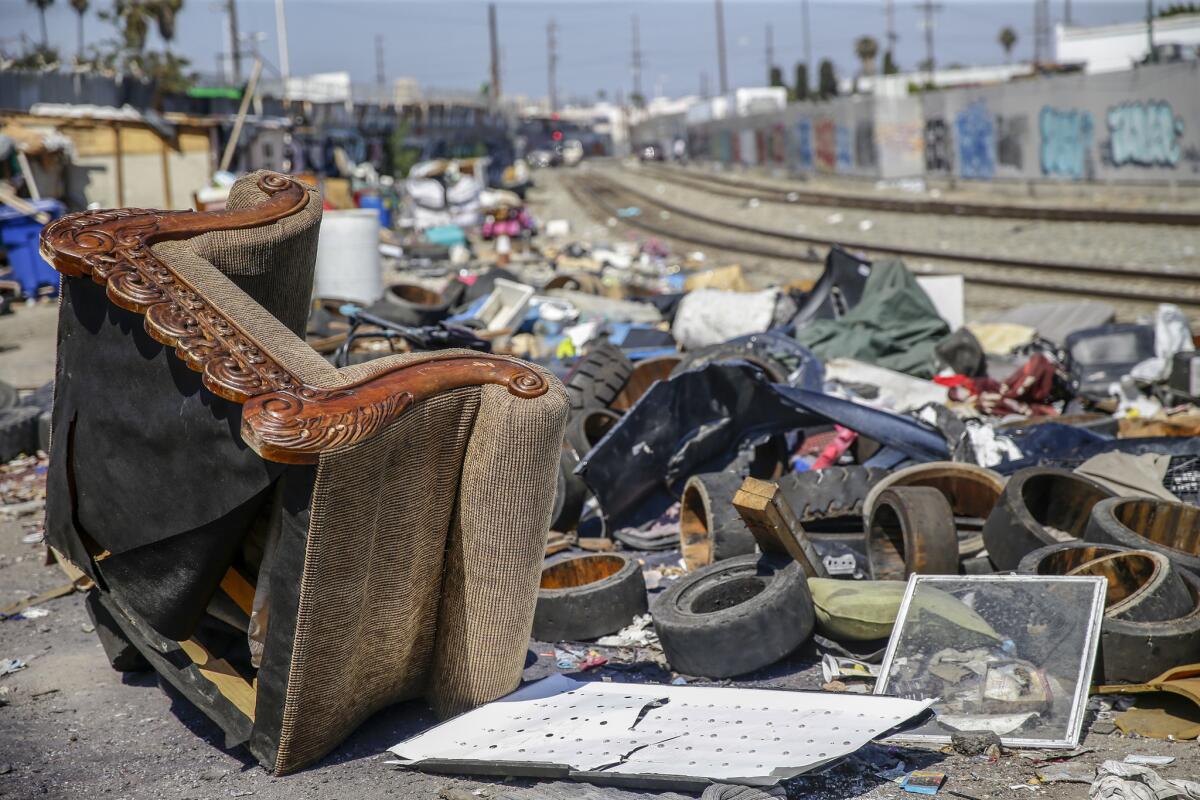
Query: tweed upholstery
[424, 543]
[274, 263]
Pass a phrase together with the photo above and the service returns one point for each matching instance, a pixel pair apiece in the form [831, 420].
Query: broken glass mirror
[1011, 654]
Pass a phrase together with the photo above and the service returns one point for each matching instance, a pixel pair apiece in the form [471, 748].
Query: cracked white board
[654, 735]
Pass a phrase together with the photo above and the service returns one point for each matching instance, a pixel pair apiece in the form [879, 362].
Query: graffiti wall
[1142, 125]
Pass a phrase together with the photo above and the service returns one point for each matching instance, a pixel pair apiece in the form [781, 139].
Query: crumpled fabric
[894, 325]
[1172, 334]
[711, 316]
[1116, 780]
[1027, 392]
[1130, 475]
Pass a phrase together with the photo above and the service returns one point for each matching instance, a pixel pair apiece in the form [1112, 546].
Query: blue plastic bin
[20, 234]
[376, 202]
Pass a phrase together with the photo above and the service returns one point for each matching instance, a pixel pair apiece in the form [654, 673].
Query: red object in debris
[1026, 391]
[833, 451]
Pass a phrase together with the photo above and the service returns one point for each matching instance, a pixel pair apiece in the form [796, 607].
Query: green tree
[775, 77]
[866, 48]
[81, 7]
[800, 87]
[41, 6]
[1008, 40]
[827, 85]
[889, 64]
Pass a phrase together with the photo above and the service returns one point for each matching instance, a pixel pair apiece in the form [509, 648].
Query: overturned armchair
[292, 546]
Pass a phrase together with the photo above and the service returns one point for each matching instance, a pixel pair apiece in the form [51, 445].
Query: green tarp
[895, 325]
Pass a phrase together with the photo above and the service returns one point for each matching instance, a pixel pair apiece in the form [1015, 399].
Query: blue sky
[444, 44]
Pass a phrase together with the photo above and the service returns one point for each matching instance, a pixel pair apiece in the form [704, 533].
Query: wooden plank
[774, 525]
[241, 590]
[232, 686]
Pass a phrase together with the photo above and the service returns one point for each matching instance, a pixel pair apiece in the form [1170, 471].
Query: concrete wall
[1138, 126]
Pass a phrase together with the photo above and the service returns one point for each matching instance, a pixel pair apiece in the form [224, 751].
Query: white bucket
[348, 263]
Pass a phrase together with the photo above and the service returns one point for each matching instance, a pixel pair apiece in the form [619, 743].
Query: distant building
[898, 85]
[1110, 48]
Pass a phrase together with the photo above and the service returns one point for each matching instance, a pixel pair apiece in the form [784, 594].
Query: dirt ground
[70, 727]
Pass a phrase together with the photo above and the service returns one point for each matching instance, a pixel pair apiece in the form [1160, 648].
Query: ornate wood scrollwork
[283, 418]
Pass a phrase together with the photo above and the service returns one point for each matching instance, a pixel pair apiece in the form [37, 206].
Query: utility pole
[380, 78]
[929, 7]
[722, 73]
[552, 64]
[1041, 31]
[1150, 32]
[770, 49]
[807, 38]
[235, 47]
[637, 59]
[889, 36]
[282, 42]
[1067, 13]
[494, 44]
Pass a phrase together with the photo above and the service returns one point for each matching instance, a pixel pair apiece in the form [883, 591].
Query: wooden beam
[774, 524]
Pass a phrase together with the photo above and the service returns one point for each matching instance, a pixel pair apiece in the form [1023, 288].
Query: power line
[552, 63]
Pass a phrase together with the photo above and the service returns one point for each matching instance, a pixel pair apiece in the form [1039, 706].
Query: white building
[1111, 48]
[897, 85]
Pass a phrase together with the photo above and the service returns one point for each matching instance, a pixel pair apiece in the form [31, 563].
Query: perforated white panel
[751, 736]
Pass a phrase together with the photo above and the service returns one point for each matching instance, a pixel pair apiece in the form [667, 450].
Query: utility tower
[722, 73]
[889, 35]
[636, 62]
[552, 64]
[494, 44]
[380, 74]
[929, 8]
[1041, 31]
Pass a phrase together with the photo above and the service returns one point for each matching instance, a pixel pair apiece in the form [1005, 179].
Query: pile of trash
[991, 518]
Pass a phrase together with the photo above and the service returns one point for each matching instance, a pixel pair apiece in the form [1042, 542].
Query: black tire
[570, 493]
[830, 499]
[598, 377]
[587, 426]
[585, 597]
[18, 432]
[1037, 508]
[8, 395]
[734, 616]
[413, 305]
[1142, 523]
[122, 655]
[743, 350]
[710, 528]
[1130, 651]
[911, 531]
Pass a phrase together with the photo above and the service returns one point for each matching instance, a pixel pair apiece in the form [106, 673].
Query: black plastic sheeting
[697, 421]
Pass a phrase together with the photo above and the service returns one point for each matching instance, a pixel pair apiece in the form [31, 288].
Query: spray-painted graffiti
[937, 146]
[1066, 142]
[845, 148]
[1146, 134]
[976, 141]
[804, 143]
[747, 151]
[826, 144]
[725, 145]
[1010, 140]
[864, 144]
[778, 144]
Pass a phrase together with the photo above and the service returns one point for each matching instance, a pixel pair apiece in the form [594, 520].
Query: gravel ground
[1038, 193]
[1092, 243]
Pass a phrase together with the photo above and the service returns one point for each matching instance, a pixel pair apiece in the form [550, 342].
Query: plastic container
[348, 262]
[20, 235]
[376, 203]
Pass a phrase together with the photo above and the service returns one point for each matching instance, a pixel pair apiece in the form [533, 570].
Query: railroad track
[745, 189]
[603, 197]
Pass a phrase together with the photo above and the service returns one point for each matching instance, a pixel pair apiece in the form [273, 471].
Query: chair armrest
[284, 419]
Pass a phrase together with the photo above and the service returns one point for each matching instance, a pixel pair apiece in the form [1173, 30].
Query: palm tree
[1008, 40]
[866, 48]
[81, 7]
[164, 12]
[42, 5]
